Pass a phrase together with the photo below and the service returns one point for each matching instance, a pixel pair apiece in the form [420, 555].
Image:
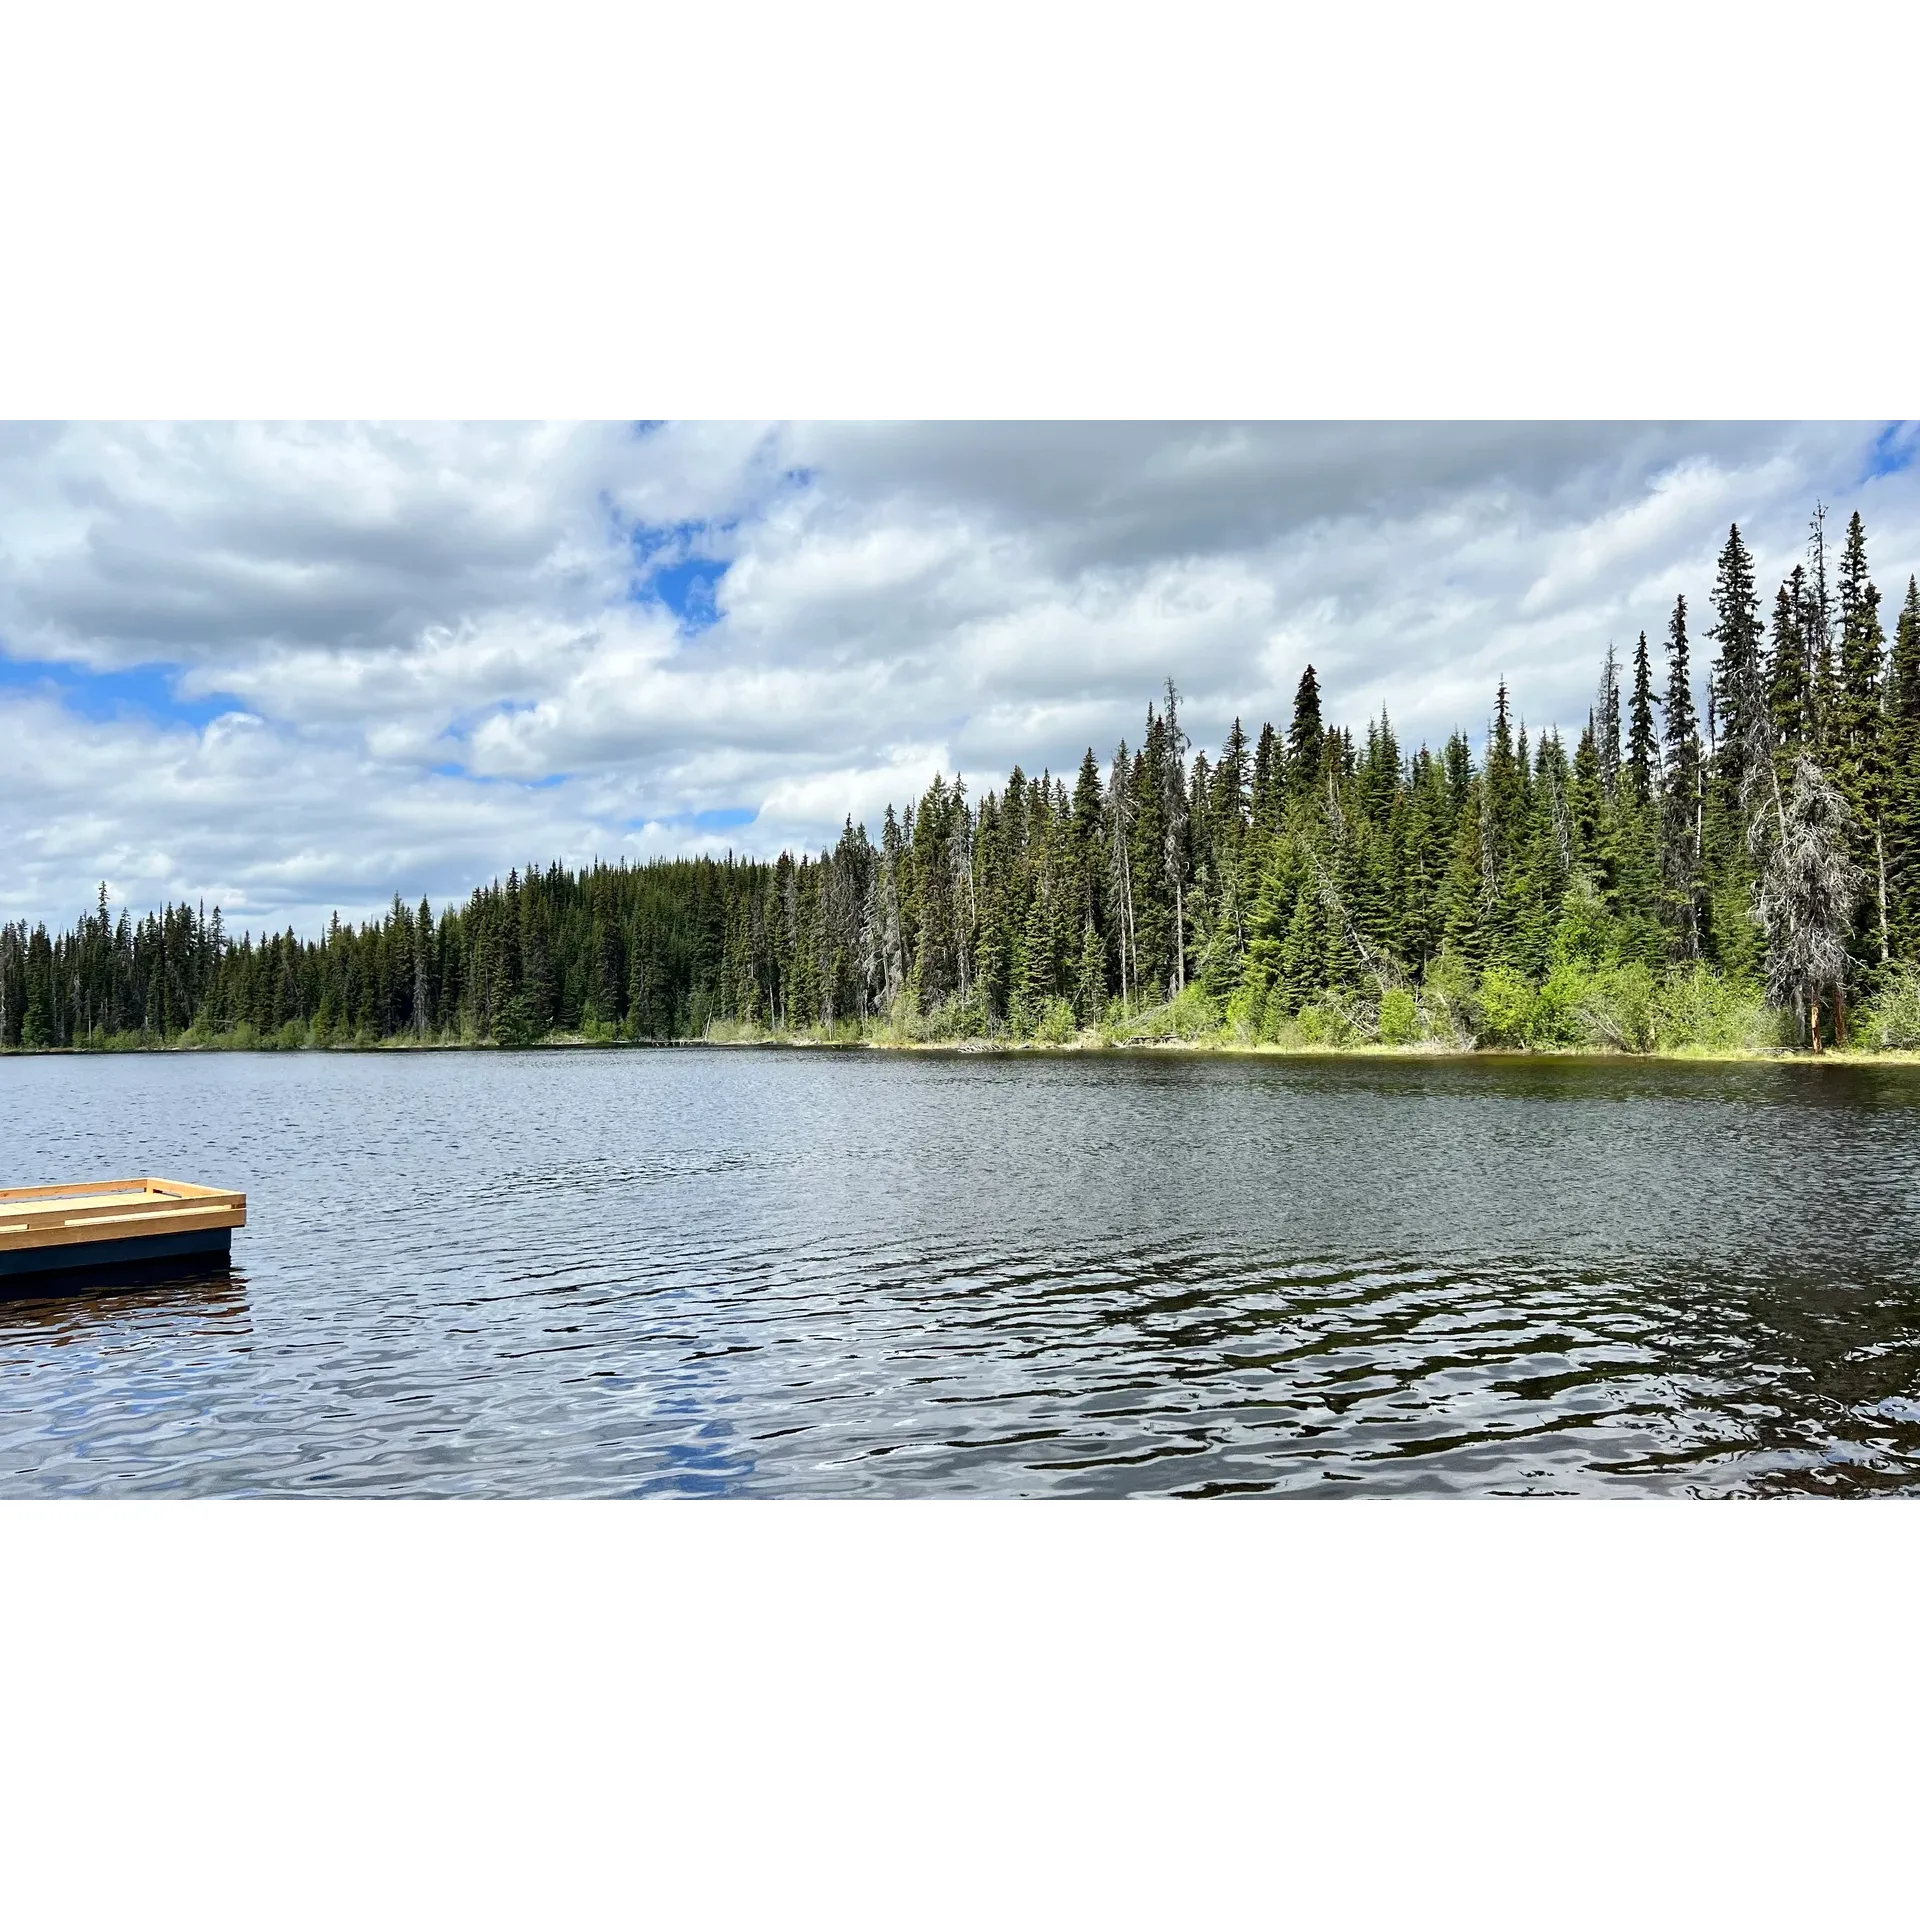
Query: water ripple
[682, 1273]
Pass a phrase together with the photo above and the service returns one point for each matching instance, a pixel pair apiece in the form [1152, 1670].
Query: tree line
[1744, 866]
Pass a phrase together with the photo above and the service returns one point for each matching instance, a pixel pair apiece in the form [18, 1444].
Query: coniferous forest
[1727, 857]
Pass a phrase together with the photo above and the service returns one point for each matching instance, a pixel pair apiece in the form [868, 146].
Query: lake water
[785, 1272]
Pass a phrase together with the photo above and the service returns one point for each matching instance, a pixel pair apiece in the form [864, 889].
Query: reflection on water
[150, 1291]
[182, 1280]
[777, 1273]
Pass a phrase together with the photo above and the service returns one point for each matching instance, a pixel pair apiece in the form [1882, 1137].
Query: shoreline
[991, 1048]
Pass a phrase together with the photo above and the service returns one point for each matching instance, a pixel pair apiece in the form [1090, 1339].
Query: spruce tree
[1902, 793]
[1816, 627]
[1472, 884]
[1032, 983]
[1090, 976]
[1176, 847]
[1457, 760]
[1604, 723]
[1230, 781]
[1306, 742]
[1737, 633]
[1429, 827]
[1123, 894]
[1854, 738]
[1505, 778]
[1269, 780]
[1589, 795]
[1305, 951]
[1681, 797]
[1268, 922]
[1790, 692]
[1643, 747]
[1153, 898]
[1087, 803]
[1086, 842]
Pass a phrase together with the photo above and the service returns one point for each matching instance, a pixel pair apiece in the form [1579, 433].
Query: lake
[779, 1272]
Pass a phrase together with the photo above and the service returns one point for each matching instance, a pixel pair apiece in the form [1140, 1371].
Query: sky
[289, 670]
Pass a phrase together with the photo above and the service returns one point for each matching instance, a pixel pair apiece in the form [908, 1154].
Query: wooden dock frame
[104, 1226]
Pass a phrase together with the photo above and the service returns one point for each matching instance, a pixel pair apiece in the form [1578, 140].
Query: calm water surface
[794, 1273]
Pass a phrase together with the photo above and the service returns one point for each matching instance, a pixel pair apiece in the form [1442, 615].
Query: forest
[1736, 872]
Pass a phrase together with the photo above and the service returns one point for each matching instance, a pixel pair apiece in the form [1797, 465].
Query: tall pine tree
[1902, 797]
[1643, 743]
[1854, 740]
[1681, 824]
[1737, 633]
[1306, 736]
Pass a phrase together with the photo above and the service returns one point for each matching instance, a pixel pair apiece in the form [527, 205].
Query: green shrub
[1586, 931]
[1194, 1013]
[1694, 1008]
[1508, 1002]
[1451, 1000]
[1056, 1025]
[514, 1025]
[1893, 1018]
[1276, 1024]
[1334, 1019]
[1191, 1015]
[1558, 1020]
[1399, 1018]
[1319, 1025]
[1616, 1008]
[1245, 1007]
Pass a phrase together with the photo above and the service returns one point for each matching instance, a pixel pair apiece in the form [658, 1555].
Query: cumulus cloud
[293, 668]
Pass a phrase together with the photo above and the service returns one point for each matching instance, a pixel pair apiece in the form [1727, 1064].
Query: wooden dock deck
[109, 1223]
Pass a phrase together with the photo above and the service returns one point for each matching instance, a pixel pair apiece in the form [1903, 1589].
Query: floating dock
[110, 1224]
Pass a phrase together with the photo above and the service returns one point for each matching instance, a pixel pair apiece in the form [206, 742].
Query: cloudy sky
[289, 669]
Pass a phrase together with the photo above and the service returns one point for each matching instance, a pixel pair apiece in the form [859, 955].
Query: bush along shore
[1726, 864]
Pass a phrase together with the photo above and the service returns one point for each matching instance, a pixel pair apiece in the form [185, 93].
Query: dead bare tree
[1808, 882]
[1805, 897]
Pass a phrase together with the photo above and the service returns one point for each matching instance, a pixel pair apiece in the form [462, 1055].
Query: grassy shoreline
[866, 1039]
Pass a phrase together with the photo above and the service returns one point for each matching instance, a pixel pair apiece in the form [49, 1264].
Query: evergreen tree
[1604, 723]
[1902, 792]
[1230, 797]
[1275, 880]
[1681, 798]
[1032, 969]
[1790, 691]
[1737, 633]
[1306, 741]
[1854, 739]
[1090, 977]
[1643, 748]
[1122, 893]
[1176, 841]
[1269, 781]
[1588, 799]
[1424, 862]
[1816, 627]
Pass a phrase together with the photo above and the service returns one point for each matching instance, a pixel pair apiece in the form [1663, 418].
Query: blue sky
[290, 669]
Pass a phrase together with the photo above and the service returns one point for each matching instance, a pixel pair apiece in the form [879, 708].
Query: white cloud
[388, 603]
[856, 794]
